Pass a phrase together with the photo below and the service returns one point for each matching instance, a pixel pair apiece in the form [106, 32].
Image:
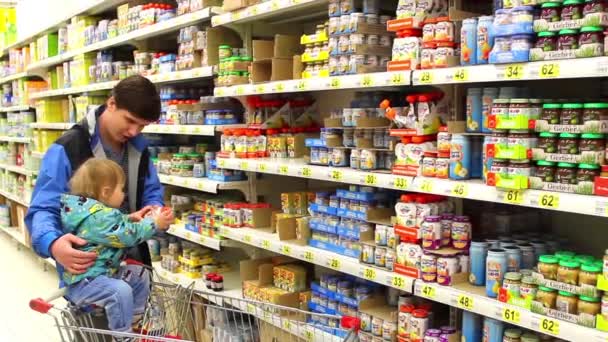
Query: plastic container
[478, 253]
[468, 42]
[485, 39]
[496, 267]
[493, 330]
[487, 98]
[474, 110]
[514, 258]
[471, 326]
[460, 157]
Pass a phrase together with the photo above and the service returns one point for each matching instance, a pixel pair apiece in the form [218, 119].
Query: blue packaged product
[513, 258]
[476, 158]
[478, 253]
[468, 42]
[471, 326]
[496, 267]
[474, 110]
[460, 157]
[492, 330]
[485, 39]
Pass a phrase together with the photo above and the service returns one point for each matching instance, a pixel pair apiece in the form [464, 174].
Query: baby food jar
[548, 142]
[566, 173]
[567, 144]
[572, 114]
[550, 11]
[546, 296]
[587, 173]
[446, 268]
[547, 41]
[512, 283]
[567, 272]
[547, 266]
[567, 40]
[528, 287]
[566, 302]
[572, 10]
[594, 6]
[551, 113]
[589, 306]
[546, 171]
[590, 42]
[588, 274]
[428, 267]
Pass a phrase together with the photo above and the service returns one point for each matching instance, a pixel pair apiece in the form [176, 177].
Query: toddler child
[91, 212]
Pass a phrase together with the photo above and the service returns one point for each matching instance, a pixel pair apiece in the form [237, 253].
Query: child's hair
[94, 174]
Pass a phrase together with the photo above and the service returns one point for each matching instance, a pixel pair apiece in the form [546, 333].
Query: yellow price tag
[196, 130]
[514, 197]
[306, 172]
[427, 186]
[426, 77]
[279, 87]
[247, 238]
[286, 250]
[511, 315]
[181, 129]
[549, 326]
[334, 263]
[187, 235]
[549, 70]
[428, 292]
[398, 282]
[275, 5]
[286, 324]
[250, 308]
[369, 273]
[302, 85]
[221, 163]
[309, 256]
[309, 335]
[514, 72]
[334, 83]
[336, 175]
[550, 201]
[398, 79]
[219, 91]
[461, 75]
[262, 167]
[371, 180]
[367, 81]
[465, 302]
[244, 166]
[201, 239]
[460, 189]
[283, 169]
[266, 244]
[240, 90]
[401, 183]
[260, 89]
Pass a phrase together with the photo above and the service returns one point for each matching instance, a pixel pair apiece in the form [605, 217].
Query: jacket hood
[76, 209]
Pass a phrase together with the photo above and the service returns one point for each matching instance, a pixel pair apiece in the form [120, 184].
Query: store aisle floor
[22, 277]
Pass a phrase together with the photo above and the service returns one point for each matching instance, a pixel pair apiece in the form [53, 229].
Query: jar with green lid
[572, 10]
[529, 337]
[547, 142]
[512, 335]
[590, 42]
[572, 114]
[547, 266]
[567, 143]
[195, 157]
[592, 142]
[595, 111]
[546, 296]
[546, 171]
[567, 40]
[566, 173]
[564, 255]
[584, 258]
[230, 63]
[566, 302]
[178, 158]
[549, 11]
[567, 272]
[551, 113]
[588, 274]
[225, 51]
[588, 305]
[185, 170]
[594, 6]
[246, 59]
[547, 41]
[585, 178]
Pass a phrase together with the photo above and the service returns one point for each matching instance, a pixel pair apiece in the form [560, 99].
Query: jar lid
[546, 289]
[548, 135]
[583, 258]
[513, 276]
[566, 165]
[561, 254]
[193, 155]
[596, 105]
[592, 136]
[528, 280]
[566, 294]
[568, 31]
[179, 155]
[547, 259]
[572, 105]
[572, 2]
[225, 47]
[550, 5]
[545, 163]
[591, 29]
[591, 268]
[513, 333]
[569, 263]
[552, 105]
[568, 135]
[588, 166]
[590, 299]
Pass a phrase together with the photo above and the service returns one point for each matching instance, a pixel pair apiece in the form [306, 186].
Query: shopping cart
[176, 313]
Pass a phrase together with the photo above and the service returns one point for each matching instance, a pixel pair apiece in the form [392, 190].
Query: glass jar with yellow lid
[547, 297]
[588, 274]
[547, 266]
[566, 302]
[567, 272]
[588, 305]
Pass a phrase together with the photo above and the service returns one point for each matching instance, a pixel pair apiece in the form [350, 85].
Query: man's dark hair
[138, 95]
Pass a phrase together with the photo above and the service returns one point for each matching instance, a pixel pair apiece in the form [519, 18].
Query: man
[111, 131]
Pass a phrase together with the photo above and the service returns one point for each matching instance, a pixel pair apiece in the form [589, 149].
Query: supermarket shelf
[366, 81]
[20, 140]
[13, 77]
[205, 130]
[14, 198]
[18, 169]
[472, 189]
[167, 26]
[52, 125]
[15, 234]
[203, 184]
[274, 8]
[180, 231]
[476, 301]
[17, 108]
[37, 154]
[175, 76]
[268, 241]
[547, 70]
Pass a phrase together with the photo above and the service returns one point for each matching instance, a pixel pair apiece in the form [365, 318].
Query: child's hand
[139, 215]
[163, 219]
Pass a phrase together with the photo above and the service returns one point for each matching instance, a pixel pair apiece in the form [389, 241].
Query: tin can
[380, 257]
[391, 256]
[377, 324]
[381, 235]
[366, 322]
[368, 254]
[389, 330]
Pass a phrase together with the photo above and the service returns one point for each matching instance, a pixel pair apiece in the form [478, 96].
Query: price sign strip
[180, 231]
[205, 130]
[316, 256]
[201, 184]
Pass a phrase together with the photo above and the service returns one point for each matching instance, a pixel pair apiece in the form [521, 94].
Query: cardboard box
[217, 36]
[286, 46]
[231, 5]
[262, 49]
[298, 67]
[258, 274]
[274, 69]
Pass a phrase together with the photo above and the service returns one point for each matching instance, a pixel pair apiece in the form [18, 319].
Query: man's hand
[141, 213]
[73, 260]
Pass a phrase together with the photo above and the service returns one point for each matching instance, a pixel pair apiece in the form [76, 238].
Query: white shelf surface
[15, 76]
[203, 184]
[204, 130]
[52, 125]
[167, 26]
[471, 189]
[14, 198]
[20, 140]
[37, 154]
[546, 70]
[179, 231]
[273, 8]
[234, 291]
[16, 108]
[176, 76]
[268, 241]
[361, 81]
[18, 169]
[15, 234]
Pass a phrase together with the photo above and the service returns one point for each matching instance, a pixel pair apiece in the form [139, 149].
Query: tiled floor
[22, 277]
